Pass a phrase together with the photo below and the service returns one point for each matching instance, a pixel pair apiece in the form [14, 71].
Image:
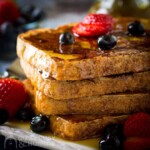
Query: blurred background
[32, 14]
[35, 14]
[127, 8]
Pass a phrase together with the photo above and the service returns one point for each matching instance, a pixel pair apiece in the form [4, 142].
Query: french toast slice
[75, 127]
[80, 127]
[103, 105]
[94, 105]
[98, 86]
[83, 59]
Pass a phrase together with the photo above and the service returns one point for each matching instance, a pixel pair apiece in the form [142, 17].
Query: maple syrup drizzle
[50, 42]
[93, 143]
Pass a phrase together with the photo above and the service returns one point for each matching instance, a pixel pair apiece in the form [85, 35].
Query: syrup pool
[92, 143]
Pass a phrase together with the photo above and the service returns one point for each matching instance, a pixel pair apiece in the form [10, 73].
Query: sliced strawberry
[12, 95]
[137, 125]
[8, 11]
[137, 144]
[94, 25]
[98, 19]
[90, 30]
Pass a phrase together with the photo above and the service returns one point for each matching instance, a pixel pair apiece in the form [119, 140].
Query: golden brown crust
[98, 86]
[90, 114]
[104, 105]
[131, 60]
[79, 130]
[77, 127]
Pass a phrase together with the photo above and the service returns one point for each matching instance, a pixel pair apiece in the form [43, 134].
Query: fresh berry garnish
[25, 114]
[31, 13]
[3, 116]
[13, 21]
[26, 11]
[137, 144]
[66, 38]
[107, 42]
[39, 123]
[112, 137]
[6, 28]
[137, 125]
[98, 19]
[136, 28]
[8, 11]
[37, 14]
[111, 143]
[20, 21]
[94, 25]
[12, 95]
[113, 130]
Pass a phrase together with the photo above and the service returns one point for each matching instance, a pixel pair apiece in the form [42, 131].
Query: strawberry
[98, 19]
[137, 144]
[86, 30]
[8, 11]
[137, 125]
[12, 95]
[94, 25]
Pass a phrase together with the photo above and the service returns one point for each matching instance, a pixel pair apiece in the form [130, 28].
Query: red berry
[98, 19]
[8, 11]
[89, 30]
[94, 25]
[12, 95]
[137, 125]
[137, 144]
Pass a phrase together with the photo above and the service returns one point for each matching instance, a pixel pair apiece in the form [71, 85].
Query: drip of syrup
[93, 143]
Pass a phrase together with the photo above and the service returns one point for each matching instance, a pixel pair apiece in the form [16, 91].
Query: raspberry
[137, 144]
[137, 125]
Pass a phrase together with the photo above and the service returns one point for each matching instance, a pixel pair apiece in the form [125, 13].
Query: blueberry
[30, 13]
[66, 38]
[136, 28]
[20, 21]
[3, 116]
[111, 143]
[36, 14]
[26, 11]
[107, 42]
[39, 123]
[113, 130]
[25, 114]
[112, 137]
[9, 33]
[6, 28]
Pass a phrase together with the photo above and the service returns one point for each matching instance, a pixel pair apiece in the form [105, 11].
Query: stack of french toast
[82, 88]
